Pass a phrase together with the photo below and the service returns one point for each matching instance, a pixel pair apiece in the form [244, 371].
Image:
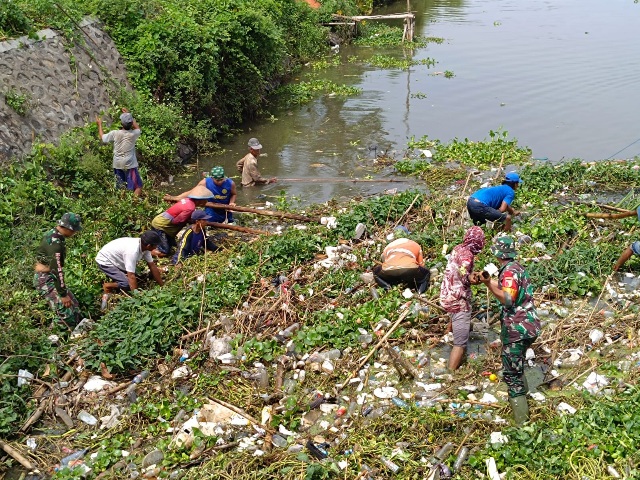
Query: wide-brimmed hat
[200, 192]
[254, 143]
[217, 172]
[200, 215]
[504, 248]
[71, 221]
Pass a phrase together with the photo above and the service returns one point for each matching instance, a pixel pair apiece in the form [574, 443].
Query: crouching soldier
[50, 273]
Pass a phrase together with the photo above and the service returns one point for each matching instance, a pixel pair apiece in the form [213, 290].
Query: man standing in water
[50, 273]
[455, 291]
[248, 166]
[125, 163]
[519, 322]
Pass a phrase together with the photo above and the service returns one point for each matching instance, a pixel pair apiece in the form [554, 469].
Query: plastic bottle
[443, 453]
[461, 458]
[390, 465]
[87, 418]
[290, 330]
[140, 377]
[374, 293]
[74, 456]
[184, 356]
[398, 402]
[263, 377]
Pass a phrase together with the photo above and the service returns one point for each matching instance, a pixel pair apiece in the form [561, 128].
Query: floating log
[236, 228]
[257, 211]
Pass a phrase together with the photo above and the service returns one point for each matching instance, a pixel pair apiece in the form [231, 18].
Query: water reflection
[559, 76]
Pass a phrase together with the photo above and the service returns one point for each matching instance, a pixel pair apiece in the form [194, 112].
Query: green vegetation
[19, 102]
[386, 61]
[376, 34]
[304, 91]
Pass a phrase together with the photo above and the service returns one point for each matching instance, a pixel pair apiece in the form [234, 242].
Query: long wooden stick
[237, 228]
[13, 453]
[611, 216]
[343, 180]
[257, 211]
[402, 316]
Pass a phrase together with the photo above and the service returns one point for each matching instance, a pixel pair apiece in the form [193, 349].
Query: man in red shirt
[169, 223]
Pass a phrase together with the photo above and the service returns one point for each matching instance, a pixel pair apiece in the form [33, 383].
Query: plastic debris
[24, 377]
[385, 392]
[594, 383]
[565, 408]
[181, 372]
[87, 418]
[498, 438]
[492, 469]
[96, 383]
[595, 335]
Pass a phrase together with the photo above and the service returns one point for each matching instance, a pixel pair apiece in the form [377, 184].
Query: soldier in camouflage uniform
[519, 321]
[50, 278]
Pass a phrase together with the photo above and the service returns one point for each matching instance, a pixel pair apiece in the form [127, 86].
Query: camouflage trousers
[513, 366]
[69, 316]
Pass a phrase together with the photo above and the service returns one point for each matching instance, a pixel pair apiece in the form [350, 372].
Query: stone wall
[65, 85]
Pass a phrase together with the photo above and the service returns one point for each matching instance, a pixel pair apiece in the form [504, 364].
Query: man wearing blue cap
[494, 203]
[125, 163]
[193, 240]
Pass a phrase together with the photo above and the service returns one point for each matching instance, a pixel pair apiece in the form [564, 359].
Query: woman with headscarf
[455, 291]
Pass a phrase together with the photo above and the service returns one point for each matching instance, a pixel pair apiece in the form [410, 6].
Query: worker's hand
[474, 278]
[124, 110]
[98, 120]
[273, 180]
[232, 204]
[486, 279]
[66, 301]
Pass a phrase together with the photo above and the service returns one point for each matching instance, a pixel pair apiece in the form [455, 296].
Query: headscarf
[474, 240]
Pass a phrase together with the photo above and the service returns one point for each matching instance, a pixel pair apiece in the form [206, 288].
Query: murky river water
[562, 77]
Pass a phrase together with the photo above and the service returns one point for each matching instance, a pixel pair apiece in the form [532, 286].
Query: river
[560, 76]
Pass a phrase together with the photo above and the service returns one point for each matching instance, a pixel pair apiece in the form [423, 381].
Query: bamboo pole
[236, 228]
[257, 211]
[611, 216]
[345, 180]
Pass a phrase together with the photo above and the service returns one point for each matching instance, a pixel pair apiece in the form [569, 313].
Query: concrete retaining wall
[66, 85]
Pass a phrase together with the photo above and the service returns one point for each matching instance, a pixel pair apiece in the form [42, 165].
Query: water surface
[559, 76]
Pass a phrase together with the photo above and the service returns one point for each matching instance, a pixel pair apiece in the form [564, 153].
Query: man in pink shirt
[169, 223]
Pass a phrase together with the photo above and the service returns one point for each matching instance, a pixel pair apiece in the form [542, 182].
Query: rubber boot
[520, 409]
[381, 282]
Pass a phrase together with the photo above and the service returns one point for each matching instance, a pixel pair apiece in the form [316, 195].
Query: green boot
[520, 409]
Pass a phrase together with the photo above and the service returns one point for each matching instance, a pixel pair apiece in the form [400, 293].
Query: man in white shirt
[125, 162]
[118, 260]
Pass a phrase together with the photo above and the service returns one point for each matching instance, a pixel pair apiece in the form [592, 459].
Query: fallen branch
[611, 216]
[257, 211]
[241, 412]
[17, 456]
[236, 228]
[402, 316]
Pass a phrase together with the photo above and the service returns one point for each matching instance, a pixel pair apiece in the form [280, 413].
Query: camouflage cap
[217, 172]
[71, 221]
[504, 248]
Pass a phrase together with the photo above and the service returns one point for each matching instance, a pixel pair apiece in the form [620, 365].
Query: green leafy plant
[19, 102]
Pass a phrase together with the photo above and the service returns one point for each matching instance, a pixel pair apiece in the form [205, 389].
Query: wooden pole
[17, 456]
[257, 211]
[343, 180]
[611, 216]
[236, 228]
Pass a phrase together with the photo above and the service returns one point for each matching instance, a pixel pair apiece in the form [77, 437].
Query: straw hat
[200, 192]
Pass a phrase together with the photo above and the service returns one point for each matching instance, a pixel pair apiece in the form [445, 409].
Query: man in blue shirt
[224, 191]
[494, 203]
[193, 239]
